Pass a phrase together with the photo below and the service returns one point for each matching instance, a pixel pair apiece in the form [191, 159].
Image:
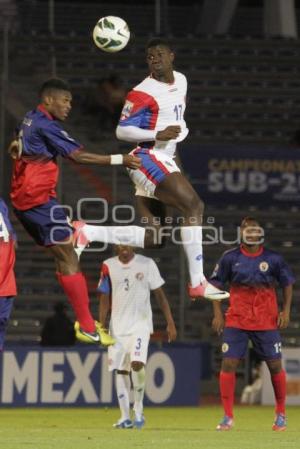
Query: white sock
[138, 381]
[123, 388]
[191, 237]
[119, 235]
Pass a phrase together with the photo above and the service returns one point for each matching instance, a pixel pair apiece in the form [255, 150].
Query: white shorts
[155, 168]
[127, 349]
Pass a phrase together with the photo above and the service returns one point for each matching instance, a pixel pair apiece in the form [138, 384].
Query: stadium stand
[242, 89]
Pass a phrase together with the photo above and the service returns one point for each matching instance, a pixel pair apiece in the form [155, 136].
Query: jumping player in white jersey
[153, 116]
[128, 279]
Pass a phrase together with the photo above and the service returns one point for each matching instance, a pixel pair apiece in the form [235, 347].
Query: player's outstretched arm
[136, 134]
[84, 157]
[165, 307]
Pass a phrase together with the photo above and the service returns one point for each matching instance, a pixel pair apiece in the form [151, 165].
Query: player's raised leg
[152, 212]
[176, 191]
[74, 284]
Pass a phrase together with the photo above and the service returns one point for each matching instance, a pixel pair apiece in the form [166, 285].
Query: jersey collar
[257, 253]
[42, 109]
[128, 263]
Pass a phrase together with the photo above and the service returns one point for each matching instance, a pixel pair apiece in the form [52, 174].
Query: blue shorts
[47, 224]
[266, 344]
[156, 166]
[6, 305]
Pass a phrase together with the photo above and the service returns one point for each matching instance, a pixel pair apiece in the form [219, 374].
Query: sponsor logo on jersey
[139, 276]
[173, 90]
[126, 111]
[225, 347]
[264, 266]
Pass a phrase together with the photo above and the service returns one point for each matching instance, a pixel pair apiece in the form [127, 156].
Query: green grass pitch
[166, 428]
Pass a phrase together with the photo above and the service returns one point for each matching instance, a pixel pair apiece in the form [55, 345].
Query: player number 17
[178, 111]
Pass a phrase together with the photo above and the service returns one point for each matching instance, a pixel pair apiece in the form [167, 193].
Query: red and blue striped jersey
[154, 105]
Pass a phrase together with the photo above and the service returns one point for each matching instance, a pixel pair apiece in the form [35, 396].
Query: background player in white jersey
[128, 279]
[153, 116]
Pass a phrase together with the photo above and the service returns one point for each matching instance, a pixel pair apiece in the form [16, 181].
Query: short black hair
[54, 84]
[155, 41]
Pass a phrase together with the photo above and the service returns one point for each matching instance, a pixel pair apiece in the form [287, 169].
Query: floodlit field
[166, 428]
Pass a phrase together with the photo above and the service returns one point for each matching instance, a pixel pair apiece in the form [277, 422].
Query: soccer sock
[227, 387]
[138, 381]
[75, 288]
[191, 237]
[119, 235]
[279, 386]
[123, 388]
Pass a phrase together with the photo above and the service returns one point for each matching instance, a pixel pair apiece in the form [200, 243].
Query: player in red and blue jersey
[253, 273]
[41, 139]
[8, 289]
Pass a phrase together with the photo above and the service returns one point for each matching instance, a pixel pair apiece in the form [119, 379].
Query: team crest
[264, 266]
[128, 106]
[225, 347]
[139, 276]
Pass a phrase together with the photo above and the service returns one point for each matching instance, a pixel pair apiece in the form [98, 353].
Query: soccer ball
[111, 34]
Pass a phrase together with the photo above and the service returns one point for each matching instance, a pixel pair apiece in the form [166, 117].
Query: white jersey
[154, 105]
[130, 285]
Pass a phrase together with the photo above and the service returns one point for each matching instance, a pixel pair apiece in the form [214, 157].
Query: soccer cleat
[126, 424]
[139, 423]
[79, 239]
[86, 337]
[225, 424]
[106, 339]
[208, 291]
[279, 424]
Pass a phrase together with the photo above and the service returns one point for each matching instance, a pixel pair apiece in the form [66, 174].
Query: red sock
[279, 385]
[75, 287]
[227, 387]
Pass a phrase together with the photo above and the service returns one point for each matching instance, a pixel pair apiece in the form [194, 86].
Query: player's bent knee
[230, 365]
[194, 207]
[137, 366]
[275, 366]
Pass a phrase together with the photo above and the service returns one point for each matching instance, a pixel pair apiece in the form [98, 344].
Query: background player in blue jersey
[8, 289]
[253, 272]
[41, 139]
